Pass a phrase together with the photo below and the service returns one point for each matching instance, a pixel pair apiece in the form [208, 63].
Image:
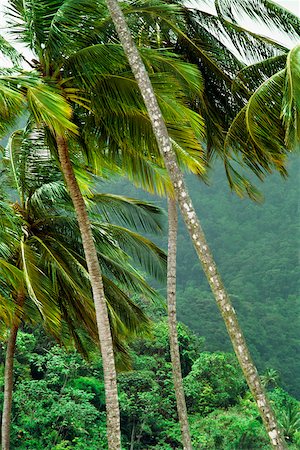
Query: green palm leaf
[150, 257]
[263, 116]
[38, 285]
[45, 102]
[290, 111]
[9, 51]
[130, 211]
[252, 76]
[264, 11]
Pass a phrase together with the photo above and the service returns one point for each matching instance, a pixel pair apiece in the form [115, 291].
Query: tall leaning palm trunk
[194, 228]
[105, 337]
[9, 376]
[172, 321]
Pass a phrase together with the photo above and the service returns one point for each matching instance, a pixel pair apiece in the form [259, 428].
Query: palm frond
[33, 167]
[8, 310]
[48, 197]
[269, 124]
[142, 171]
[148, 255]
[76, 24]
[30, 21]
[10, 52]
[12, 105]
[45, 102]
[251, 46]
[127, 278]
[54, 259]
[130, 211]
[9, 229]
[267, 12]
[38, 285]
[127, 316]
[263, 114]
[11, 274]
[253, 75]
[290, 112]
[13, 148]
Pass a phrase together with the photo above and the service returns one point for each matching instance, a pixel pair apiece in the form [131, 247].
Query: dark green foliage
[229, 430]
[59, 398]
[256, 248]
[215, 381]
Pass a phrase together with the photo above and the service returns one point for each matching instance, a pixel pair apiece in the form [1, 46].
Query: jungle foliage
[59, 398]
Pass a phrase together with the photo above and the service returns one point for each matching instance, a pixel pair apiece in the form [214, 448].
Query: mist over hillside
[256, 247]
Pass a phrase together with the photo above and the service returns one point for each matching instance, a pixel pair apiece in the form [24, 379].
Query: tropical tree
[70, 65]
[172, 321]
[276, 159]
[220, 46]
[43, 271]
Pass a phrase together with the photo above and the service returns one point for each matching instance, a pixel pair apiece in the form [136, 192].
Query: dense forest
[59, 398]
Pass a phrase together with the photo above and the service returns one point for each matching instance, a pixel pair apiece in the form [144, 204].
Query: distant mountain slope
[257, 250]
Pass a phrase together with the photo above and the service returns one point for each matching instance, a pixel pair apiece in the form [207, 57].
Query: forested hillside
[257, 249]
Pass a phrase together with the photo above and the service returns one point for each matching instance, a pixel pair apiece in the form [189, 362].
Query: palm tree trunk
[9, 377]
[109, 370]
[193, 225]
[8, 387]
[173, 335]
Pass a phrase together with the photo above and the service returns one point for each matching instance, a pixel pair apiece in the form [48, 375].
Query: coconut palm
[42, 262]
[269, 160]
[270, 121]
[227, 111]
[82, 92]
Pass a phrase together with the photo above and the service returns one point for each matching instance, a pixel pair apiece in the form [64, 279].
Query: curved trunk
[109, 370]
[193, 225]
[8, 378]
[172, 321]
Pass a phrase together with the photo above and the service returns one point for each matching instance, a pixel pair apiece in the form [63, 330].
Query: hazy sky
[293, 5]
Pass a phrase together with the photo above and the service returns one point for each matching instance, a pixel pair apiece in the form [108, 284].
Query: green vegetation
[59, 398]
[147, 115]
[256, 247]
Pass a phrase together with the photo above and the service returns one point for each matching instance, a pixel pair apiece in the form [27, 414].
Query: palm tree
[46, 257]
[172, 321]
[193, 225]
[71, 65]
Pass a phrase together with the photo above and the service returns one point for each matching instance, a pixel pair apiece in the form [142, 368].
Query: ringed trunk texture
[193, 225]
[172, 321]
[106, 344]
[9, 378]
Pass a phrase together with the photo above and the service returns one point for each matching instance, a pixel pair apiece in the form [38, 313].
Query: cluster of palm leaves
[85, 101]
[43, 270]
[42, 256]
